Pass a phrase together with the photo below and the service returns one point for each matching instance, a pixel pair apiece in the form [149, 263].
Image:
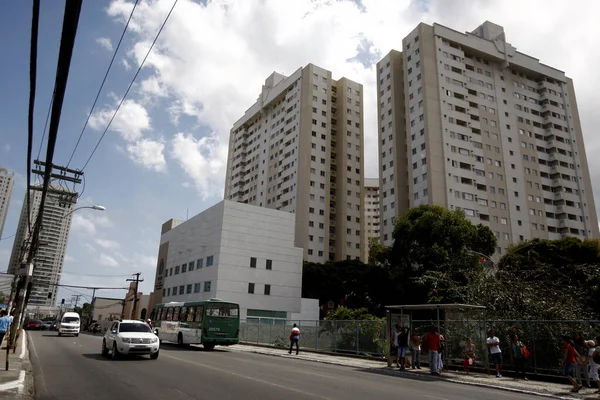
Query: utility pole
[137, 281]
[91, 318]
[76, 297]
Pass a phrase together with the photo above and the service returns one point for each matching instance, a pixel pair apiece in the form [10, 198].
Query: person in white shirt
[493, 344]
[593, 350]
[295, 339]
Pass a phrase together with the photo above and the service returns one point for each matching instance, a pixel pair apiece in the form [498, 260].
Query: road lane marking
[312, 395]
[42, 378]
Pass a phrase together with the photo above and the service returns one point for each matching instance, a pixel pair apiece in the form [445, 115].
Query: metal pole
[388, 337]
[91, 316]
[357, 337]
[317, 335]
[335, 336]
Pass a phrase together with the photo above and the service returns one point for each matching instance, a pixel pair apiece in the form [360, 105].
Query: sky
[165, 154]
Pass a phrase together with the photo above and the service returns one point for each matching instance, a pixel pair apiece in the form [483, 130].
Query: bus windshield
[222, 310]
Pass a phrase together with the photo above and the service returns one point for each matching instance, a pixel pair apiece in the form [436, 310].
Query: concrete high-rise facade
[371, 211]
[467, 122]
[7, 180]
[48, 262]
[299, 149]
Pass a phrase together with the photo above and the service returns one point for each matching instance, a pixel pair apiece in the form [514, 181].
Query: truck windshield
[222, 310]
[70, 320]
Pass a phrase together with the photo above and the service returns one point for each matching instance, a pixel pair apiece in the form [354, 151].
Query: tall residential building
[299, 148]
[50, 255]
[7, 180]
[371, 211]
[467, 122]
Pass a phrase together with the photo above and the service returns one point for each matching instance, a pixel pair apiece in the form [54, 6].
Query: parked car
[130, 337]
[33, 325]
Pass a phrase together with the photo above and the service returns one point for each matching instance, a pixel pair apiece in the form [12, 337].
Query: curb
[391, 372]
[19, 383]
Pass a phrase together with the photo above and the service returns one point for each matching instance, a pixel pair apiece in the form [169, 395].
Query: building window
[199, 263]
[252, 262]
[267, 290]
[207, 286]
[197, 287]
[269, 264]
[209, 261]
[188, 289]
[177, 270]
[191, 266]
[251, 287]
[183, 268]
[168, 291]
[181, 289]
[164, 292]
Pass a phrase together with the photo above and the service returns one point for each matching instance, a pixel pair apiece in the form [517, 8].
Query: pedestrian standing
[570, 356]
[295, 339]
[518, 356]
[432, 342]
[403, 347]
[415, 344]
[493, 344]
[4, 325]
[593, 362]
[469, 355]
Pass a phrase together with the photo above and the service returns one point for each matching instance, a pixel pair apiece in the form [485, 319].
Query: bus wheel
[208, 347]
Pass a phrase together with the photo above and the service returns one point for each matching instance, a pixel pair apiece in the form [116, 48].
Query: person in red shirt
[432, 342]
[570, 357]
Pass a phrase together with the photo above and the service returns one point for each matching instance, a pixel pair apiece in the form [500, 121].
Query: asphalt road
[68, 368]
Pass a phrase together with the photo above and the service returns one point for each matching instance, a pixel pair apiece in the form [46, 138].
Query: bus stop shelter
[403, 315]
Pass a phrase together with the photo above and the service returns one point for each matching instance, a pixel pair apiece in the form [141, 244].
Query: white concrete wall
[233, 233]
[309, 311]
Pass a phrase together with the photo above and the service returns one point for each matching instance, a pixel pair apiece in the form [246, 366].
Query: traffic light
[62, 301]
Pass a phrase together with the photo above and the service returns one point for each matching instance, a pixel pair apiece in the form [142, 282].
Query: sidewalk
[532, 387]
[13, 383]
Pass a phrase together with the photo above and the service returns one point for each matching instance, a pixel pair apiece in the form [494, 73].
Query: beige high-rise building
[467, 122]
[7, 180]
[299, 148]
[48, 262]
[371, 211]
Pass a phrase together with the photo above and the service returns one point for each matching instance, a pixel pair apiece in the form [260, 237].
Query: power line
[95, 275]
[81, 287]
[35, 21]
[130, 85]
[8, 237]
[45, 126]
[102, 84]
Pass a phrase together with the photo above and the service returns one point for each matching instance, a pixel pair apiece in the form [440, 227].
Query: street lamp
[94, 207]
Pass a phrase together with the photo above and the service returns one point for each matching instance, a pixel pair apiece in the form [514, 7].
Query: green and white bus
[210, 323]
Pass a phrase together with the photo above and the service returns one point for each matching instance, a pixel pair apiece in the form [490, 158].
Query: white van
[70, 324]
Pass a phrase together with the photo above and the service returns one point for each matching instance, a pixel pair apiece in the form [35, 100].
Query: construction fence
[368, 338]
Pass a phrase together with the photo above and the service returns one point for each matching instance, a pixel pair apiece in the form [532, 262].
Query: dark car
[33, 325]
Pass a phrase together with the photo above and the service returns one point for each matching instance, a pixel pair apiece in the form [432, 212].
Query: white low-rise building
[236, 252]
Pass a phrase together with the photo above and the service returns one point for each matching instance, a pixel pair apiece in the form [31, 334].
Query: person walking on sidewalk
[295, 339]
[570, 356]
[4, 325]
[493, 344]
[593, 362]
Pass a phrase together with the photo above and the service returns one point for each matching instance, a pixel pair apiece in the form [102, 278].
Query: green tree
[355, 330]
[435, 254]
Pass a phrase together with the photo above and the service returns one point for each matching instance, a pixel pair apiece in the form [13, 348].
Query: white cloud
[125, 64]
[131, 121]
[107, 261]
[83, 225]
[108, 244]
[202, 161]
[215, 81]
[69, 258]
[149, 153]
[105, 43]
[6, 147]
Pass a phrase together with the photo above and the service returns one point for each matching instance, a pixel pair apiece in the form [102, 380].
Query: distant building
[469, 123]
[106, 309]
[371, 212]
[236, 252]
[142, 309]
[48, 263]
[7, 180]
[300, 149]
